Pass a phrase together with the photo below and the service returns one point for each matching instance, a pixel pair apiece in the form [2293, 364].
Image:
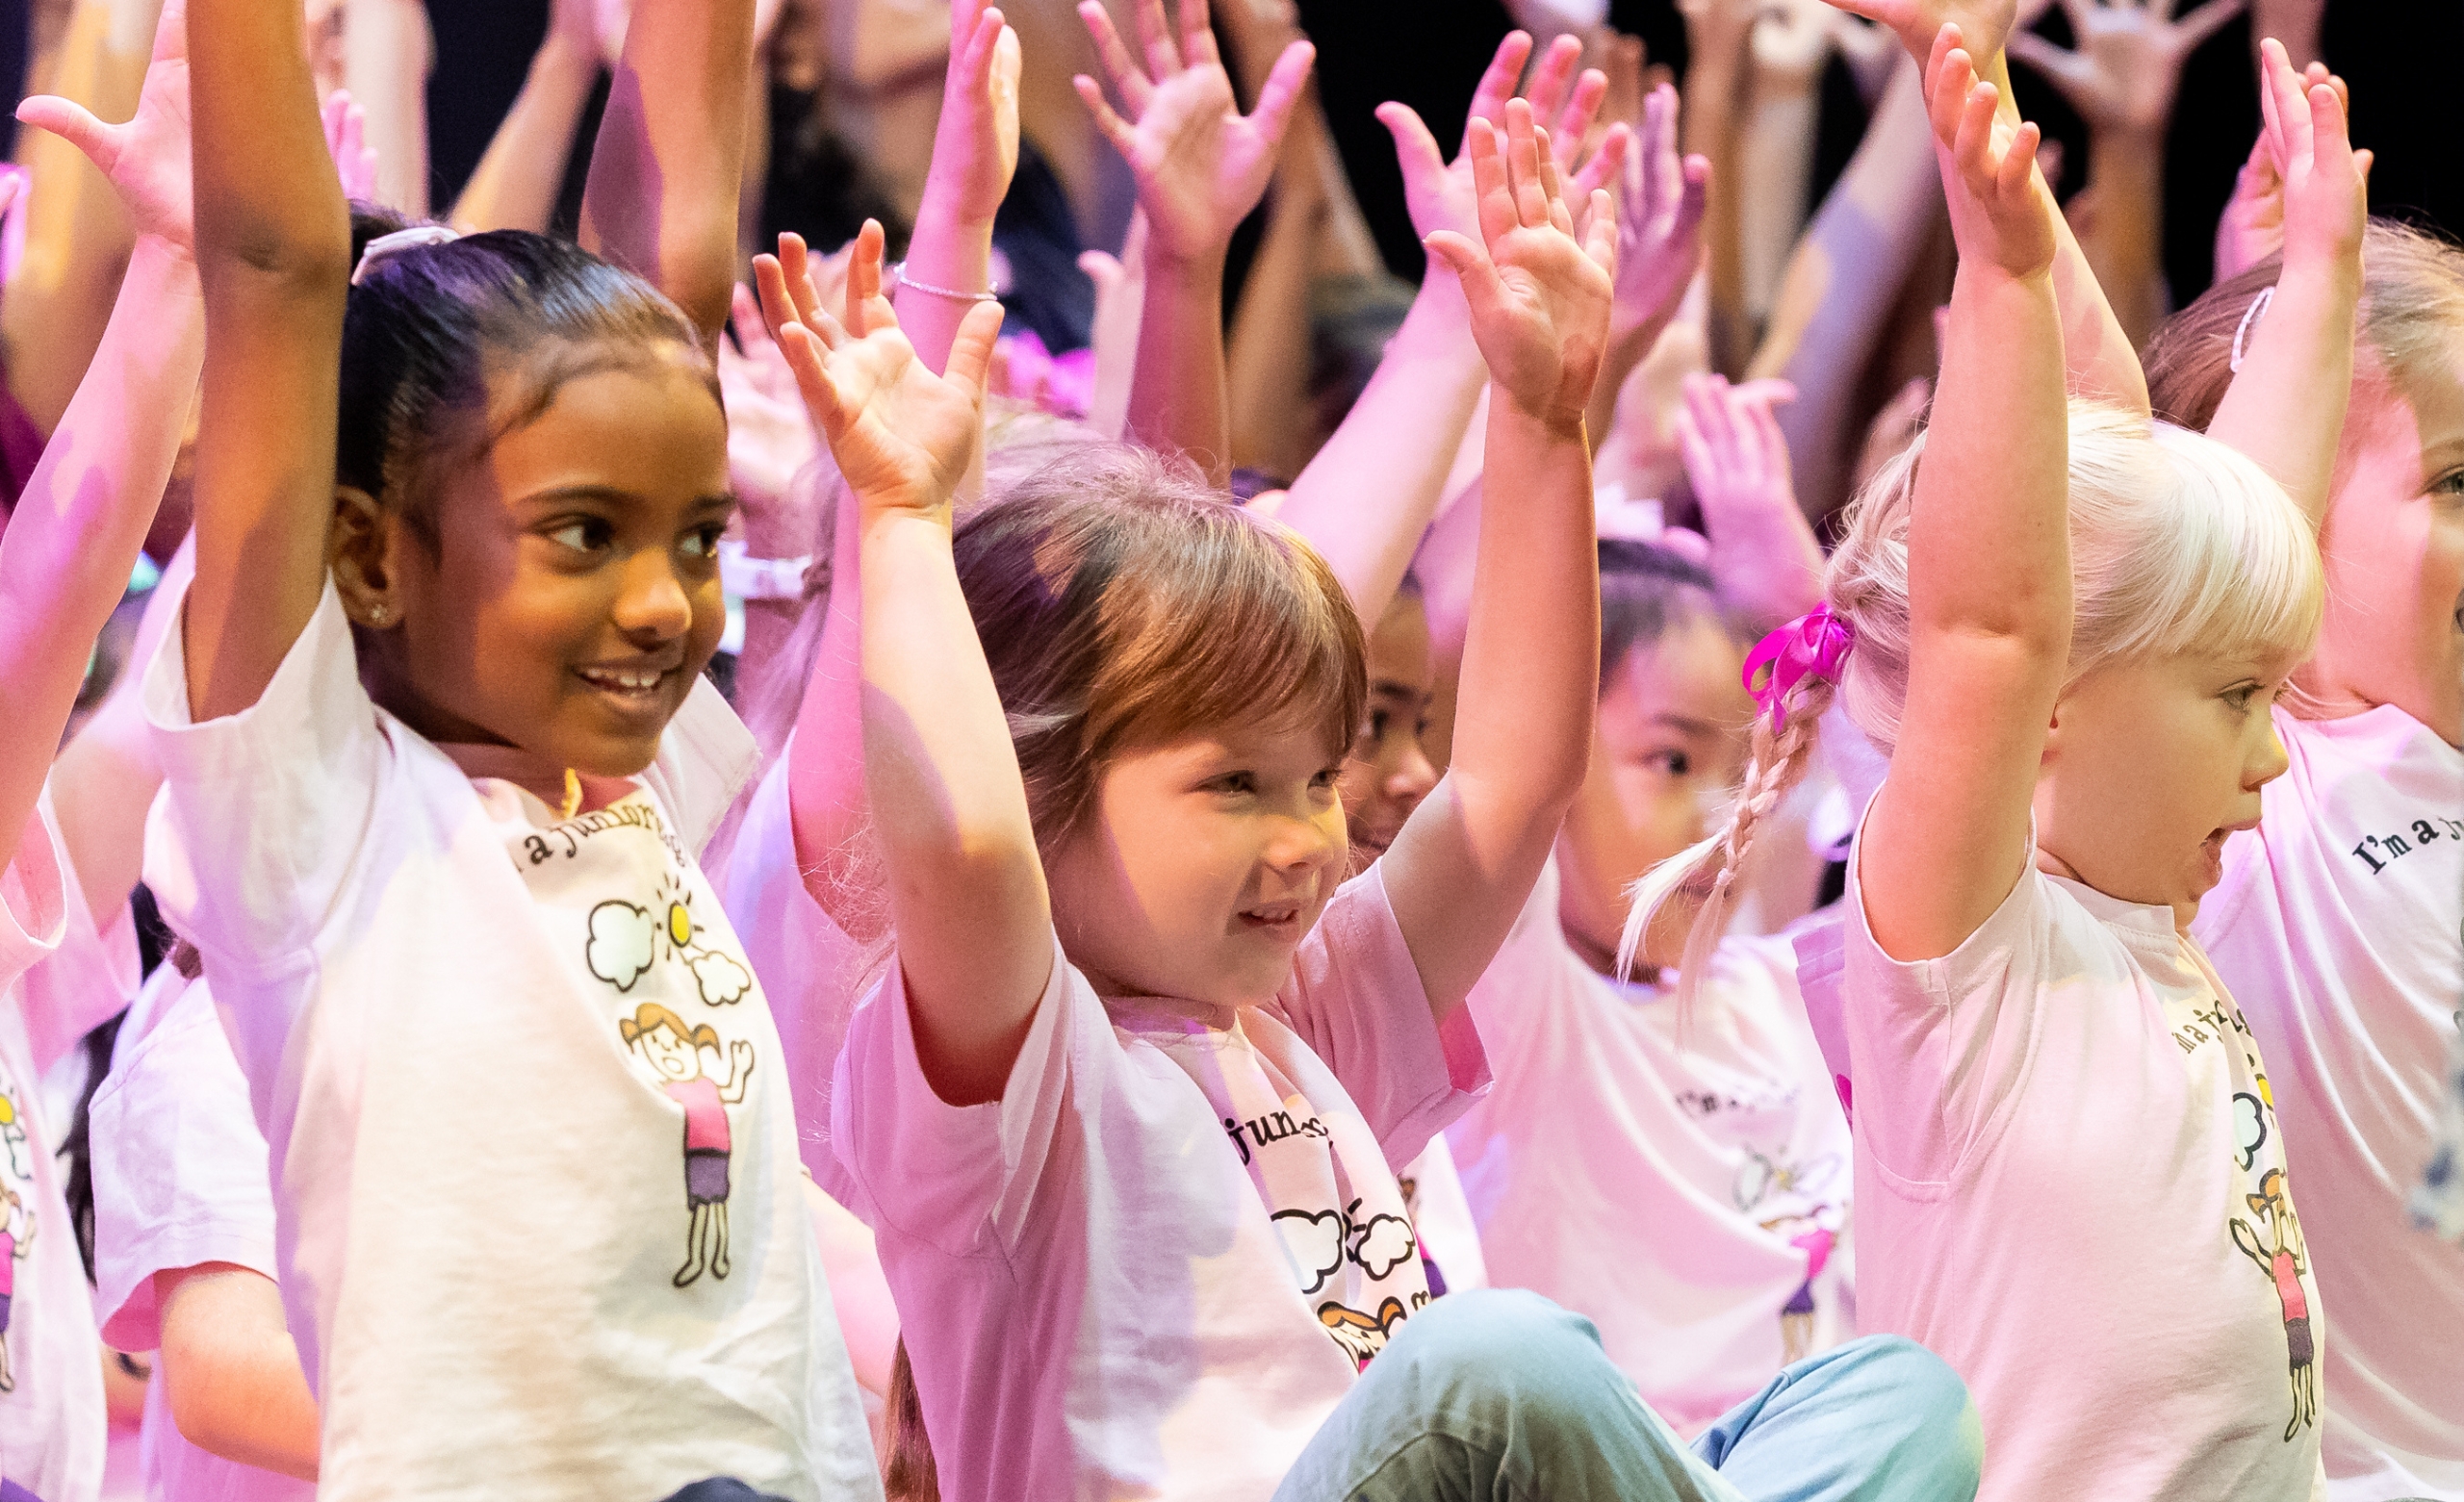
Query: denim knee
[1509, 1350]
[1927, 1409]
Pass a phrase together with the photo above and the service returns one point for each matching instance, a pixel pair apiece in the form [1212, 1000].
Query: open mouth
[1271, 918]
[636, 686]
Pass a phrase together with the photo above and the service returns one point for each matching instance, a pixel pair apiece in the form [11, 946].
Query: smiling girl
[439, 758]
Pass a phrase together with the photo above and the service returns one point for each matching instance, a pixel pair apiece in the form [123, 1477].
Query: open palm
[1985, 24]
[1539, 297]
[903, 437]
[1201, 164]
[146, 160]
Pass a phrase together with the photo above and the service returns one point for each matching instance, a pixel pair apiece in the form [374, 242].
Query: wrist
[562, 56]
[162, 255]
[1165, 263]
[1551, 420]
[947, 207]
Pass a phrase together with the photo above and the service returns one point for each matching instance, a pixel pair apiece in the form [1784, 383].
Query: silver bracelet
[953, 294]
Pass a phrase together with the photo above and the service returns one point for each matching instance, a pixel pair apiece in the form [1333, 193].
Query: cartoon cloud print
[721, 979]
[1316, 1242]
[2249, 1126]
[621, 944]
[1382, 1243]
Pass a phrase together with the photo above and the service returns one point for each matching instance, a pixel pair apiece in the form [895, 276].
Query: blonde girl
[2065, 625]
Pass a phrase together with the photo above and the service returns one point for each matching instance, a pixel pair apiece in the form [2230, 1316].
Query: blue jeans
[1500, 1396]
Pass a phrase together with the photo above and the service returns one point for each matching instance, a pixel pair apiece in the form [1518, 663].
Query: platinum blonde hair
[2177, 544]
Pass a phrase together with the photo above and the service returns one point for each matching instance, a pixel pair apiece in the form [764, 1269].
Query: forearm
[84, 512]
[232, 1371]
[826, 764]
[662, 193]
[516, 182]
[2101, 361]
[1176, 399]
[2124, 248]
[1266, 402]
[949, 250]
[2285, 407]
[1367, 497]
[385, 62]
[1766, 561]
[1843, 283]
[1774, 177]
[1712, 107]
[1532, 645]
[77, 233]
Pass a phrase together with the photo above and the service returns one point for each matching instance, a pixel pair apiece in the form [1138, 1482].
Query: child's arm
[386, 55]
[231, 1369]
[1464, 864]
[77, 235]
[516, 182]
[1988, 551]
[1365, 500]
[1659, 250]
[2102, 363]
[664, 175]
[65, 561]
[965, 883]
[2122, 75]
[975, 150]
[2286, 405]
[1201, 166]
[274, 255]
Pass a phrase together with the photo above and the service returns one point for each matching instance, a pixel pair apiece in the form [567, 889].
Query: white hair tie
[385, 248]
[2251, 320]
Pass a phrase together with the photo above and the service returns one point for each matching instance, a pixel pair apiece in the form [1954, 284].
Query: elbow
[297, 255]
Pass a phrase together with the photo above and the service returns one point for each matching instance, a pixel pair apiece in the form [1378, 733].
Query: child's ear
[358, 554]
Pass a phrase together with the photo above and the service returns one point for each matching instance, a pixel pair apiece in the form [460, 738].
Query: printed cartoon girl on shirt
[673, 1051]
[17, 1235]
[2277, 1258]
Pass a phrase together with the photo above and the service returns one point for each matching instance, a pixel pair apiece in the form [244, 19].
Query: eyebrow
[713, 501]
[1689, 727]
[1391, 688]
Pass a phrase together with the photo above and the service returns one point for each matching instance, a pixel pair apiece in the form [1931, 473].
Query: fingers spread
[1496, 85]
[1280, 95]
[1135, 88]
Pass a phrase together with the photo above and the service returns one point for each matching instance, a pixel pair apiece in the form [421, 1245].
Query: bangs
[1240, 624]
[2227, 564]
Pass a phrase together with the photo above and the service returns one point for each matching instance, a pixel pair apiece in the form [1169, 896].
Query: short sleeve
[705, 758]
[965, 1175]
[180, 1173]
[812, 972]
[1821, 948]
[1938, 1046]
[87, 978]
[1355, 998]
[34, 898]
[265, 809]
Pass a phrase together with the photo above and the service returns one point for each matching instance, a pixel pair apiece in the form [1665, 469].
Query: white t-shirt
[52, 1423]
[179, 1181]
[1692, 1202]
[1157, 1262]
[2070, 1187]
[2340, 927]
[541, 1230]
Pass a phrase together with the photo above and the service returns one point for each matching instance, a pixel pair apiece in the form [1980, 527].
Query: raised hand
[1660, 221]
[1201, 165]
[1984, 25]
[2323, 192]
[975, 148]
[1761, 550]
[1999, 211]
[1440, 194]
[146, 160]
[347, 142]
[902, 436]
[2123, 70]
[1539, 297]
[2252, 227]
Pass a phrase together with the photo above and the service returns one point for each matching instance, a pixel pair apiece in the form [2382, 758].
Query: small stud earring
[376, 614]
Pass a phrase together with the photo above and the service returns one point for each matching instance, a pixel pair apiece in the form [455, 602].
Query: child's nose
[2270, 763]
[653, 601]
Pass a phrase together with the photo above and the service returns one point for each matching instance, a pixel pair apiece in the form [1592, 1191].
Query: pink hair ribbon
[1815, 643]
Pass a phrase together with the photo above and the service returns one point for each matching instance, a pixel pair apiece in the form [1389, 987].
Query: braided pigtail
[1793, 675]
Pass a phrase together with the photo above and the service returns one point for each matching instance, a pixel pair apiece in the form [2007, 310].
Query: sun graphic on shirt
[679, 923]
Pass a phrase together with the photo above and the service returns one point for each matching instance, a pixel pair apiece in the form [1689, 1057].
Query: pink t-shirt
[2070, 1187]
[1692, 1201]
[52, 1422]
[179, 1181]
[1155, 1264]
[2340, 925]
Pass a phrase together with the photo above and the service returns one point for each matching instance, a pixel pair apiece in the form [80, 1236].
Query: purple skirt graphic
[705, 1177]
